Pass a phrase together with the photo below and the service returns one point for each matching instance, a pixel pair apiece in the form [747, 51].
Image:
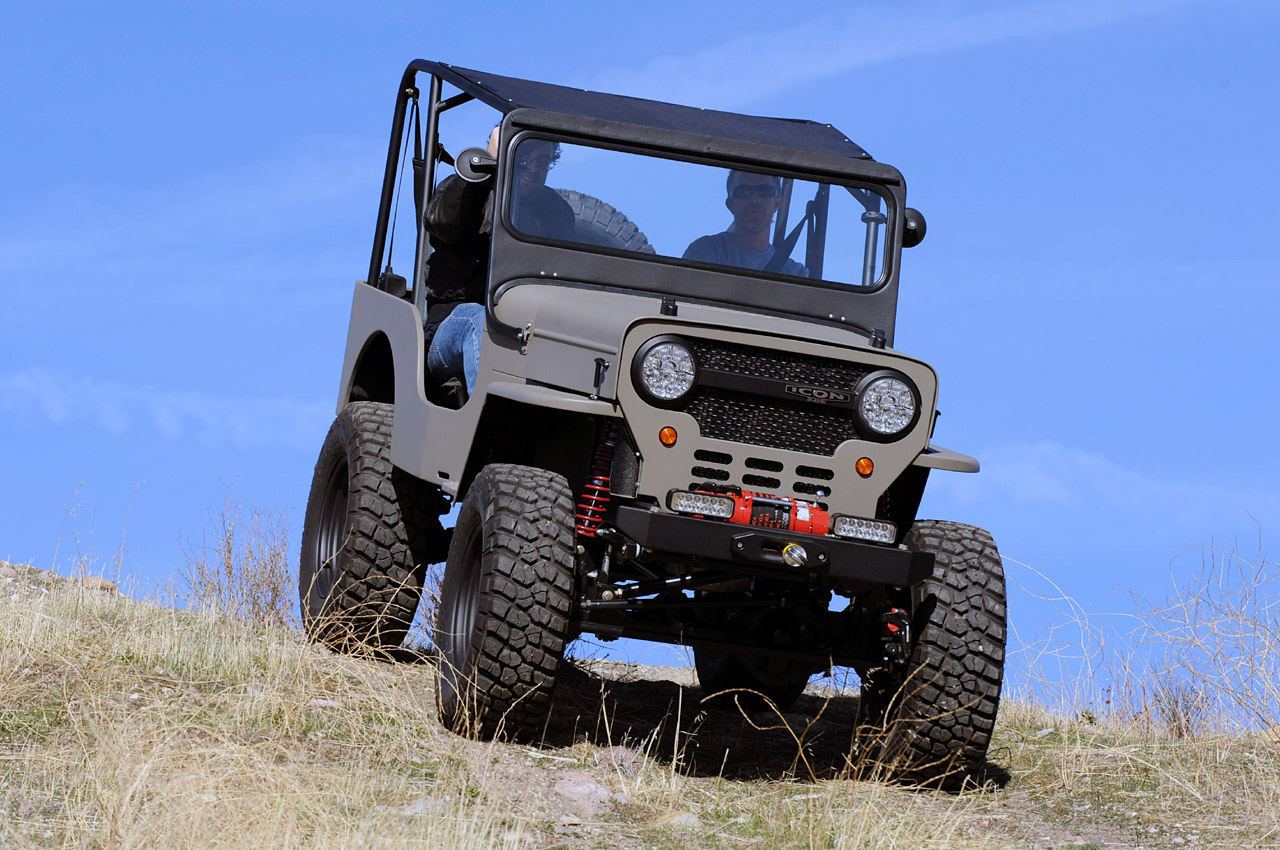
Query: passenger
[753, 199]
[459, 221]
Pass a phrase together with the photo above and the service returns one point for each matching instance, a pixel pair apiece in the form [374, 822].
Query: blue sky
[189, 195]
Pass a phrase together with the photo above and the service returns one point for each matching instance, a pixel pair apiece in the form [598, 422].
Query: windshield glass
[742, 220]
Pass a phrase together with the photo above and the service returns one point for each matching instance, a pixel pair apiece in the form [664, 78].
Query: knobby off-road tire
[369, 533]
[933, 725]
[598, 223]
[503, 618]
[748, 678]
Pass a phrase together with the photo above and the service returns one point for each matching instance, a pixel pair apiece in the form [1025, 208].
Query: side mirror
[914, 228]
[475, 165]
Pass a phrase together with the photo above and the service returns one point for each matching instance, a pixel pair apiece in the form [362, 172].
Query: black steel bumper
[758, 551]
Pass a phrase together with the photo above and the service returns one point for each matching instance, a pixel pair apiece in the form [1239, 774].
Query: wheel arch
[384, 348]
[550, 438]
[374, 376]
[900, 502]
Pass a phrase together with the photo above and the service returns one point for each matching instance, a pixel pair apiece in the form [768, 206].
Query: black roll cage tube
[408, 90]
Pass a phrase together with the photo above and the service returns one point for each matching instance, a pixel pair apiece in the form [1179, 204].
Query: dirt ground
[658, 713]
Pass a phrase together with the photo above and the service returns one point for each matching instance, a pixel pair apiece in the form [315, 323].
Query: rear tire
[752, 681]
[503, 619]
[933, 724]
[369, 531]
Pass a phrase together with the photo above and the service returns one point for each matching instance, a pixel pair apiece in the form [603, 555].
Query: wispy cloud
[1062, 478]
[867, 35]
[87, 228]
[43, 396]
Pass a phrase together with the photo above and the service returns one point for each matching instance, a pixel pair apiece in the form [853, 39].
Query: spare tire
[598, 223]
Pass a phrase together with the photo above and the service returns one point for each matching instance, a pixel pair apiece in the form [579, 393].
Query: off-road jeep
[661, 444]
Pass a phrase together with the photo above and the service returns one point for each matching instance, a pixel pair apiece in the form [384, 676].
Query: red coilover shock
[595, 495]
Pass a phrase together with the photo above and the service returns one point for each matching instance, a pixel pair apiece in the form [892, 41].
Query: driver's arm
[456, 211]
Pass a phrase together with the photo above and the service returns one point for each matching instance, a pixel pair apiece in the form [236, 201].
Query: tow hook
[895, 634]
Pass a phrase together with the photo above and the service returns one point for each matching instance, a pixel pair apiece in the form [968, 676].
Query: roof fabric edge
[509, 93]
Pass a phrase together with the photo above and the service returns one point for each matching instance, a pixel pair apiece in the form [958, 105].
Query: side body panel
[442, 457]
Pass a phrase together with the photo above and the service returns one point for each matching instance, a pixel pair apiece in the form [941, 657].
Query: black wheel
[932, 723]
[369, 533]
[503, 617]
[754, 681]
[598, 223]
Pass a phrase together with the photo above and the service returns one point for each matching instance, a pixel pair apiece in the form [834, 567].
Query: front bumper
[754, 551]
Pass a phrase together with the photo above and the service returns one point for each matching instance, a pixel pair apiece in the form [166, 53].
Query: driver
[537, 209]
[753, 199]
[459, 222]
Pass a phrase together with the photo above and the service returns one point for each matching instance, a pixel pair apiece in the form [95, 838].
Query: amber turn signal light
[667, 436]
[865, 467]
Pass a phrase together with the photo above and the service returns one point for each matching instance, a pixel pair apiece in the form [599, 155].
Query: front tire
[503, 618]
[368, 533]
[932, 724]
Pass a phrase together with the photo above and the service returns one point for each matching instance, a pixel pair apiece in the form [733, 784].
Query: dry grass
[127, 724]
[131, 724]
[1219, 642]
[245, 572]
[1137, 784]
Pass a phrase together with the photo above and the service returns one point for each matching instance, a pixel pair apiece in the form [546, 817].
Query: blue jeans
[455, 348]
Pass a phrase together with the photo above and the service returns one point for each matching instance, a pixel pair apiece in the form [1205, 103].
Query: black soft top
[508, 93]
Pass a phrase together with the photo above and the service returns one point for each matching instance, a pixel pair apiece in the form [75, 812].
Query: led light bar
[702, 504]
[857, 528]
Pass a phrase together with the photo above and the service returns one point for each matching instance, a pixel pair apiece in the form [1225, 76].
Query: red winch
[769, 511]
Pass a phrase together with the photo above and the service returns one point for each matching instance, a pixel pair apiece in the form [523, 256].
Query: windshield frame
[853, 184]
[516, 260]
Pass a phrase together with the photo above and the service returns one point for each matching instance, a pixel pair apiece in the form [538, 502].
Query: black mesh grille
[761, 420]
[778, 365]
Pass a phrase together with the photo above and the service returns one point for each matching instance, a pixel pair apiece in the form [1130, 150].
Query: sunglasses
[536, 162]
[760, 190]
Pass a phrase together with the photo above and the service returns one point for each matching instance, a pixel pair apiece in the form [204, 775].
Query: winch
[767, 510]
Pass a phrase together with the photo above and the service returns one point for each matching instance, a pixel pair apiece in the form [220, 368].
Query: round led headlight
[665, 369]
[888, 405]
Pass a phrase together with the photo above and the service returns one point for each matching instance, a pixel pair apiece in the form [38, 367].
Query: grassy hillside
[129, 724]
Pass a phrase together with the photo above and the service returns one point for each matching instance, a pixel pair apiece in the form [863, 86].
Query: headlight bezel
[637, 370]
[864, 427]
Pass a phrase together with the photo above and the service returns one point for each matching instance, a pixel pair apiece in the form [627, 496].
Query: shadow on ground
[673, 724]
[670, 722]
